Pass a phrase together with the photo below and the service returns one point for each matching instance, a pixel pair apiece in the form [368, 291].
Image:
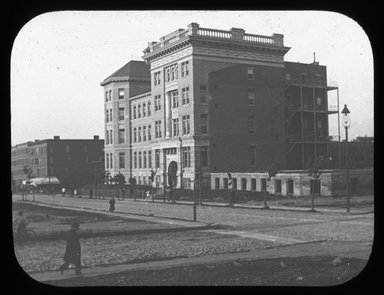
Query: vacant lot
[98, 249]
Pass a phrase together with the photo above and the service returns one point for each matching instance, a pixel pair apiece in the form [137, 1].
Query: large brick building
[211, 101]
[74, 162]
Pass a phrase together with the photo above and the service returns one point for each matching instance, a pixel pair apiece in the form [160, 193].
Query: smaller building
[73, 162]
[295, 182]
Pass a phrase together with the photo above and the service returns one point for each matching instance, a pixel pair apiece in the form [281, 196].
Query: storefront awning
[42, 180]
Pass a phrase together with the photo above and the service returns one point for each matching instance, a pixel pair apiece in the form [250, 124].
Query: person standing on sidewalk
[72, 251]
[112, 205]
[20, 223]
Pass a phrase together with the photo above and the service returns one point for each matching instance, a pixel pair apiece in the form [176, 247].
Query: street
[228, 232]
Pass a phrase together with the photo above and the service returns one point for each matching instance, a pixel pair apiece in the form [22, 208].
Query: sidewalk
[273, 207]
[341, 249]
[353, 211]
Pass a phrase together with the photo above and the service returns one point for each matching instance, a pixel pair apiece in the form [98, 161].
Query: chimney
[314, 59]
[56, 137]
[96, 137]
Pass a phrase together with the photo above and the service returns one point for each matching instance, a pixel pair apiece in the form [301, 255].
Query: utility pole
[347, 124]
[95, 179]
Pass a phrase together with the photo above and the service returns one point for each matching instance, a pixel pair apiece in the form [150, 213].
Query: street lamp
[346, 124]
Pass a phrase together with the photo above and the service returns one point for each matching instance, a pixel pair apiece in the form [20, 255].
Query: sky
[59, 58]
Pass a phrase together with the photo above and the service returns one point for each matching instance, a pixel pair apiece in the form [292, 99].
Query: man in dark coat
[112, 205]
[72, 251]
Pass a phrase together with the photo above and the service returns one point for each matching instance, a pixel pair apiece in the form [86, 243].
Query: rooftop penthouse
[235, 36]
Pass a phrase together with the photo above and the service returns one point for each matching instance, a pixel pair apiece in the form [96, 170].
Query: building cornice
[195, 36]
[124, 79]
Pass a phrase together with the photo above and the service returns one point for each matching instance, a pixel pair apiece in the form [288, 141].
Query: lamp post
[347, 124]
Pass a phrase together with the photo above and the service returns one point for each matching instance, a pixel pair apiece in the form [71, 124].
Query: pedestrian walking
[112, 205]
[72, 251]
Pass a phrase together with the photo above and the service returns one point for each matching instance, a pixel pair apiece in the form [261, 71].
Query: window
[121, 160]
[144, 159]
[204, 156]
[170, 73]
[110, 115]
[121, 93]
[111, 160]
[253, 184]
[107, 160]
[110, 95]
[157, 103]
[244, 184]
[106, 116]
[303, 78]
[139, 111]
[263, 184]
[217, 183]
[134, 134]
[157, 158]
[251, 97]
[140, 166]
[225, 183]
[109, 137]
[187, 182]
[121, 136]
[278, 186]
[186, 156]
[121, 114]
[149, 159]
[184, 68]
[204, 123]
[175, 127]
[134, 112]
[287, 76]
[144, 133]
[106, 96]
[149, 132]
[175, 99]
[186, 125]
[234, 183]
[144, 110]
[156, 78]
[203, 94]
[289, 186]
[318, 101]
[319, 123]
[106, 137]
[252, 156]
[135, 159]
[185, 95]
[139, 134]
[251, 124]
[250, 73]
[149, 108]
[157, 129]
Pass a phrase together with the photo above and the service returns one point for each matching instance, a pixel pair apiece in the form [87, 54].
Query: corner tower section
[130, 80]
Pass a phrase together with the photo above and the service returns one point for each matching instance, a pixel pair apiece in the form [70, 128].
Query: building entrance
[172, 174]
